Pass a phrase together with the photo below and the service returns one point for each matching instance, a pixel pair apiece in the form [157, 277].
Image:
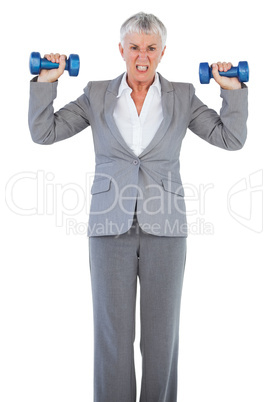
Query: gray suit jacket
[151, 183]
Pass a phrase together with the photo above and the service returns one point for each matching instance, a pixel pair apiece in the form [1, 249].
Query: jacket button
[135, 162]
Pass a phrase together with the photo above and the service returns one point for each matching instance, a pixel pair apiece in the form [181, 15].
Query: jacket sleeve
[47, 127]
[227, 130]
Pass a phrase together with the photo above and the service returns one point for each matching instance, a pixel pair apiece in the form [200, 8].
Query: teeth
[142, 68]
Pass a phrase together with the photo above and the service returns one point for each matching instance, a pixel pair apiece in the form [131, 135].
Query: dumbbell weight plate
[35, 62]
[243, 71]
[204, 73]
[73, 65]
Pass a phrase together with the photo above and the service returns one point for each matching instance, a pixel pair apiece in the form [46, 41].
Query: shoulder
[96, 88]
[180, 88]
[101, 87]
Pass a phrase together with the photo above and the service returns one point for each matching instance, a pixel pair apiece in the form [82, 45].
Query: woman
[137, 225]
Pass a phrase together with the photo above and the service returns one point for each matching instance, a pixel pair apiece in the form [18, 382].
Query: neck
[139, 86]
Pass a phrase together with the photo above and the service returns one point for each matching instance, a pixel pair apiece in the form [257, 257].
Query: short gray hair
[143, 23]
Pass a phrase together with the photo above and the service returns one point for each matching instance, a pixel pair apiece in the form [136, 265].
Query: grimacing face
[142, 54]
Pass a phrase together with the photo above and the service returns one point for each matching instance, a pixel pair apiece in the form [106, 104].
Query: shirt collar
[124, 85]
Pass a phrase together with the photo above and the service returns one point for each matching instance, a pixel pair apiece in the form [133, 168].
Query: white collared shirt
[138, 130]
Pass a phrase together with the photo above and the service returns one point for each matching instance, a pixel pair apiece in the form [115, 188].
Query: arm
[227, 130]
[47, 127]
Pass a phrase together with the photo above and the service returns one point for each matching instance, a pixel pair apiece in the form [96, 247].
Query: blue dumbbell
[241, 72]
[37, 64]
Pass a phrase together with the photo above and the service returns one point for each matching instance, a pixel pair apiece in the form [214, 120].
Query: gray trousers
[116, 262]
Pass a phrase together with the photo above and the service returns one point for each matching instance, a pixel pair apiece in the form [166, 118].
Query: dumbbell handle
[48, 65]
[233, 72]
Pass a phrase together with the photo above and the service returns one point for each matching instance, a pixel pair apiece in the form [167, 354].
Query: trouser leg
[161, 270]
[114, 264]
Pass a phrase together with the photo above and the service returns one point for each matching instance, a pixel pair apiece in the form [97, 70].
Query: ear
[121, 50]
[163, 52]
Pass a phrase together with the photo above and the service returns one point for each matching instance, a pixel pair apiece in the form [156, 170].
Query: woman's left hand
[225, 82]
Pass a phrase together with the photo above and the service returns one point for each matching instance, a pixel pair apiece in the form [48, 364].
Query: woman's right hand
[55, 73]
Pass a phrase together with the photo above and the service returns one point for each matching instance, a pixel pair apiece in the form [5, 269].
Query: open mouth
[142, 68]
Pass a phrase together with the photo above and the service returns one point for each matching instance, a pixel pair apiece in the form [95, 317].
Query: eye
[133, 47]
[152, 49]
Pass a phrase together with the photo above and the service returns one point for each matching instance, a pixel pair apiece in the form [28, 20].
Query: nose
[143, 55]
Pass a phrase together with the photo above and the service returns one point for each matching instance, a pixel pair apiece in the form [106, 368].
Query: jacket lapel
[109, 105]
[167, 105]
[167, 100]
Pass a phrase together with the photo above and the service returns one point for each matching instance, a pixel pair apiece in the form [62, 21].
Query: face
[142, 54]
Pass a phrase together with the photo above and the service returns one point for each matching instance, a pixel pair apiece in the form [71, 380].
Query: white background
[46, 336]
